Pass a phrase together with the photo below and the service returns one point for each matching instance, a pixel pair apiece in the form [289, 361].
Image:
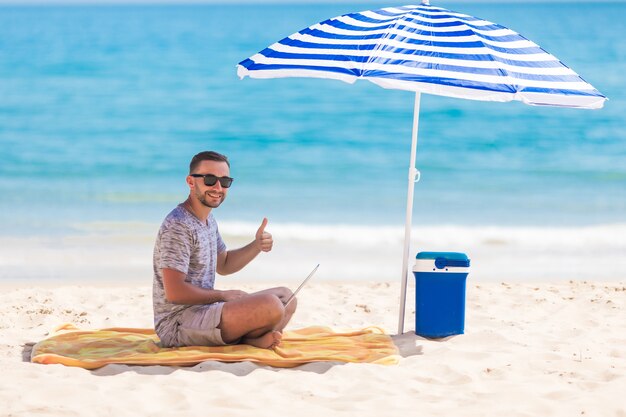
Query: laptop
[301, 285]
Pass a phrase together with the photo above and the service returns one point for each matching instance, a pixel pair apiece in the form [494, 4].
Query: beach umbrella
[425, 49]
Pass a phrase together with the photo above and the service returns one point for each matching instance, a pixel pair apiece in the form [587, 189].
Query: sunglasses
[210, 179]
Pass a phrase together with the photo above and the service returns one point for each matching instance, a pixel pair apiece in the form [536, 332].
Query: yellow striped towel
[91, 349]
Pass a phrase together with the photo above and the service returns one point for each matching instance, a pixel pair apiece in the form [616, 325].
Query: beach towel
[91, 349]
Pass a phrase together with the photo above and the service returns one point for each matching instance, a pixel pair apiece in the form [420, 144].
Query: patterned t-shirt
[187, 245]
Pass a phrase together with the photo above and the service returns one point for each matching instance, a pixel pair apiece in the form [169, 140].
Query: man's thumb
[262, 228]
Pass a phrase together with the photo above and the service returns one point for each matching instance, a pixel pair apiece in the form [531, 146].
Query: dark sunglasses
[210, 179]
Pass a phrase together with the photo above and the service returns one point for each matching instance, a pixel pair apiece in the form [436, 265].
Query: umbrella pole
[413, 178]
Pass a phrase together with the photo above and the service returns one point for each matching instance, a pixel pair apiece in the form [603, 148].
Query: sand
[530, 349]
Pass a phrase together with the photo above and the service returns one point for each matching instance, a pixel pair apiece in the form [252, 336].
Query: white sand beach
[545, 332]
[556, 349]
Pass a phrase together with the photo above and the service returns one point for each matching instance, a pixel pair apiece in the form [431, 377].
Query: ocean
[102, 107]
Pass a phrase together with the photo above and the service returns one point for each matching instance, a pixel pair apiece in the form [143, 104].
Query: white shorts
[198, 326]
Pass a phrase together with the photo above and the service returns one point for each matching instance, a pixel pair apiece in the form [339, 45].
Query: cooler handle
[441, 263]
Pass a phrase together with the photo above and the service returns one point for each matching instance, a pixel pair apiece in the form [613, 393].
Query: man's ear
[189, 181]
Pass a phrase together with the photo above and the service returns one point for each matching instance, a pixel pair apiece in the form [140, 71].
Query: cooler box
[440, 293]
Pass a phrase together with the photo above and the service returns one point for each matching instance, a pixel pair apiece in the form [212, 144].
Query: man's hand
[282, 293]
[229, 262]
[263, 239]
[230, 295]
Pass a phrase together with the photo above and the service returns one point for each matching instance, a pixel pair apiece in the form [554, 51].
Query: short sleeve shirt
[187, 245]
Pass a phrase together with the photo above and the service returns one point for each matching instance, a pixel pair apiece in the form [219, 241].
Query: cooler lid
[444, 259]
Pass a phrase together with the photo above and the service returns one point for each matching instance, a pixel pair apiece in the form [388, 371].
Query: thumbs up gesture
[263, 239]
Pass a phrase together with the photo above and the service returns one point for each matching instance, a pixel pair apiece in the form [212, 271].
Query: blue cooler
[440, 293]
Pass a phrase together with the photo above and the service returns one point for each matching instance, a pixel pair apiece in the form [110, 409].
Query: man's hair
[206, 156]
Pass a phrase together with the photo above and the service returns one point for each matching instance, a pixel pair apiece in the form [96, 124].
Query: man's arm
[178, 291]
[229, 262]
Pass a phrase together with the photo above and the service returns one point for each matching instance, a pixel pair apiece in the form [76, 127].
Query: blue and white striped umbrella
[425, 49]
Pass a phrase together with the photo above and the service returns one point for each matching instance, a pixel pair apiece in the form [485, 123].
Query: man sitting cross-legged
[189, 250]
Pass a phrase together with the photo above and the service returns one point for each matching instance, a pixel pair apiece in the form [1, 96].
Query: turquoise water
[101, 109]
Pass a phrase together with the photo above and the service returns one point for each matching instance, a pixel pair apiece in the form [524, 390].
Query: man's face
[213, 195]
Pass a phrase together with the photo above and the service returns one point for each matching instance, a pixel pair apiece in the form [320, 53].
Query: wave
[106, 251]
[435, 236]
[438, 235]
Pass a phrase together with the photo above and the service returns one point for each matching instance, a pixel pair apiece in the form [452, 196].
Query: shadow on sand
[407, 344]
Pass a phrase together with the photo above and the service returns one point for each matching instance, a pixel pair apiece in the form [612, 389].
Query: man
[189, 251]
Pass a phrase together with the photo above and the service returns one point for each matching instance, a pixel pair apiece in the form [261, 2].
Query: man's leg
[283, 294]
[255, 318]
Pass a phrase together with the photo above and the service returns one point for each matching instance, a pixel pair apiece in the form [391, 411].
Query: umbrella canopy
[425, 49]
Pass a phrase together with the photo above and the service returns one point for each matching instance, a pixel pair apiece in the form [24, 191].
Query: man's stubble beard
[202, 199]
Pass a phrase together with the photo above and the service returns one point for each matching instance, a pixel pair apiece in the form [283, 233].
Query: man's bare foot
[268, 341]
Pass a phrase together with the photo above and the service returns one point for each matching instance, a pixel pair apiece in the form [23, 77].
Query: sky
[374, 2]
